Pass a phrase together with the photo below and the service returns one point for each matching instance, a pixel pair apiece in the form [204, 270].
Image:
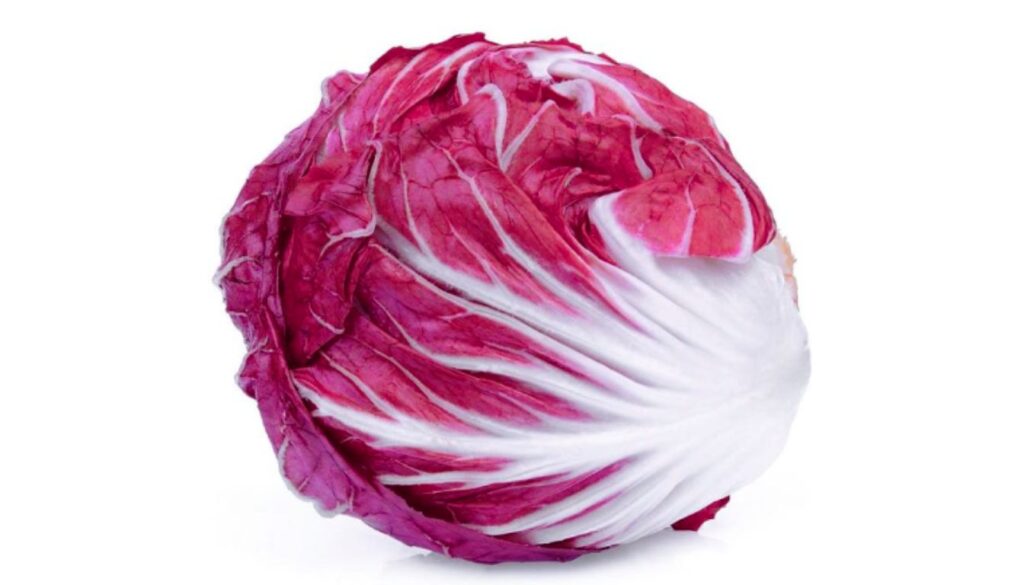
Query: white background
[887, 137]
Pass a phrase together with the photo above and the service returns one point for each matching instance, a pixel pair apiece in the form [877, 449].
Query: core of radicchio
[513, 302]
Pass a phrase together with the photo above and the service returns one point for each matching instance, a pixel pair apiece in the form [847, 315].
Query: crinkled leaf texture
[513, 303]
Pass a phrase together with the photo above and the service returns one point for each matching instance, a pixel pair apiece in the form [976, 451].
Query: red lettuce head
[512, 302]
